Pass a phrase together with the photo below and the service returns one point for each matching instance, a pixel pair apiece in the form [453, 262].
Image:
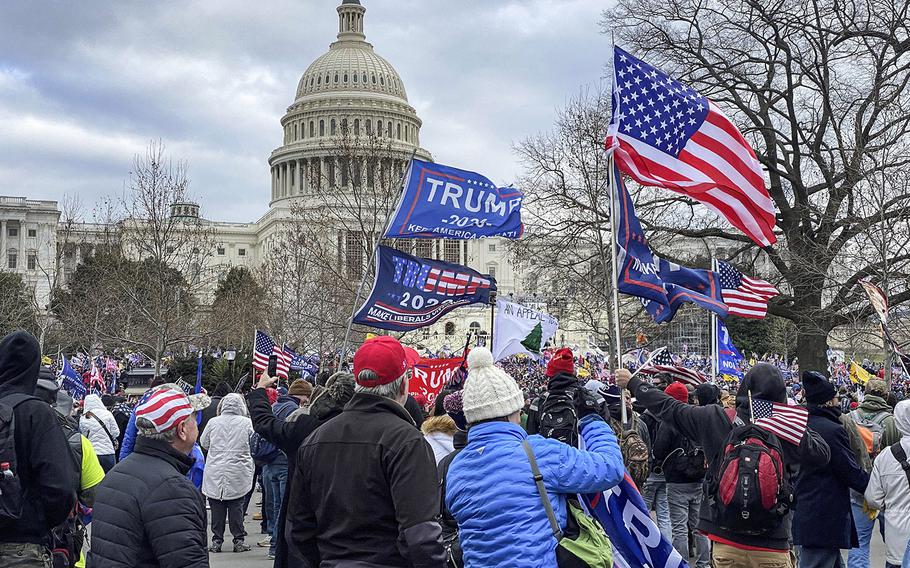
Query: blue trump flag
[662, 286]
[444, 202]
[411, 292]
[728, 356]
[72, 382]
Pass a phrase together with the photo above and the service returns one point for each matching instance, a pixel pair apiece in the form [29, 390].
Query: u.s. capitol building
[347, 96]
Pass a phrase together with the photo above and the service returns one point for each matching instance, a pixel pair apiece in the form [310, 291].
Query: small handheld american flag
[663, 363]
[784, 421]
[265, 346]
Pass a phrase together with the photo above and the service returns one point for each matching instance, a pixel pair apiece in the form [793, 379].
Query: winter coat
[448, 522]
[709, 426]
[148, 514]
[872, 405]
[48, 477]
[364, 491]
[129, 437]
[490, 489]
[889, 490]
[438, 432]
[823, 517]
[93, 415]
[228, 466]
[560, 382]
[288, 436]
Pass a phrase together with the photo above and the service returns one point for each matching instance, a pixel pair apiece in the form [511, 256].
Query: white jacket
[889, 490]
[93, 412]
[228, 465]
[439, 431]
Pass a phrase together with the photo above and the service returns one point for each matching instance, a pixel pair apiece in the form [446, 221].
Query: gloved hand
[586, 403]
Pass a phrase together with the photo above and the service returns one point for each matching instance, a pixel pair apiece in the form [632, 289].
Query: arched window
[369, 126]
[355, 77]
[333, 129]
[336, 77]
[450, 328]
[364, 78]
[389, 131]
[295, 132]
[374, 78]
[356, 127]
[345, 77]
[319, 80]
[399, 130]
[322, 128]
[326, 78]
[379, 128]
[474, 327]
[381, 80]
[312, 129]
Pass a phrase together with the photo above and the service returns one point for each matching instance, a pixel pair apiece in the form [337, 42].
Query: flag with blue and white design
[728, 356]
[72, 382]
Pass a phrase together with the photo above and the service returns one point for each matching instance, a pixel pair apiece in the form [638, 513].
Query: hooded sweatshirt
[94, 415]
[889, 489]
[229, 466]
[709, 426]
[48, 476]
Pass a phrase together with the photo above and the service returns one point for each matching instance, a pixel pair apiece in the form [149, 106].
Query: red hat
[678, 391]
[383, 355]
[411, 355]
[562, 362]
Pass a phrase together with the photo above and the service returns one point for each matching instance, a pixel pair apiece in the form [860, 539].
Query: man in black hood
[47, 475]
[709, 426]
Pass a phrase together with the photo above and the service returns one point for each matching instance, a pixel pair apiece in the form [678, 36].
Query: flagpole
[492, 319]
[715, 345]
[385, 227]
[615, 261]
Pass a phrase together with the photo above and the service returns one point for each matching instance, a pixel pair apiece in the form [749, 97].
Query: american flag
[784, 421]
[263, 347]
[745, 297]
[666, 134]
[451, 283]
[663, 363]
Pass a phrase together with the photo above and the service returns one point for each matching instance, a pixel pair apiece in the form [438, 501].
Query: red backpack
[749, 490]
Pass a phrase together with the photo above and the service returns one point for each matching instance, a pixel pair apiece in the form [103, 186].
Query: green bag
[584, 544]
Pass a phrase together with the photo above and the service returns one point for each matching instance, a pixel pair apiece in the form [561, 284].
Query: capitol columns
[300, 176]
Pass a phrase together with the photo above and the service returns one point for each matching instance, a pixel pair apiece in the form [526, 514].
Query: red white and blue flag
[264, 346]
[666, 134]
[745, 297]
[783, 420]
[664, 363]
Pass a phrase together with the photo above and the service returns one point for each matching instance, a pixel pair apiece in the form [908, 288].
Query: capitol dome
[347, 97]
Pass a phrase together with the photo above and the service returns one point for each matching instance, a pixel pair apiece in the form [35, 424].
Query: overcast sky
[85, 85]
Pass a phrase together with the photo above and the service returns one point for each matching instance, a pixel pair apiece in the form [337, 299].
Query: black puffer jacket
[709, 427]
[148, 514]
[47, 474]
[364, 492]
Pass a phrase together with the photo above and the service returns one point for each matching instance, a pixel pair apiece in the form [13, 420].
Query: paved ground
[257, 556]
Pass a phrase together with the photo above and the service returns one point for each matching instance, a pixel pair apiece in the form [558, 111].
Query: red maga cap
[383, 355]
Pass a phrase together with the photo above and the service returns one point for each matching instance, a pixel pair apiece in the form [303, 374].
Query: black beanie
[817, 388]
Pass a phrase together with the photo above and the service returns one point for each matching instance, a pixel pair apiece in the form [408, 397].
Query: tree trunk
[812, 348]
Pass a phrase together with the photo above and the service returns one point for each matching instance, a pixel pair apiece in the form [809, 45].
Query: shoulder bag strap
[542, 491]
[897, 450]
[103, 427]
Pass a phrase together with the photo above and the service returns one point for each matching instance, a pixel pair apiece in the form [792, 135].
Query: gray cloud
[84, 86]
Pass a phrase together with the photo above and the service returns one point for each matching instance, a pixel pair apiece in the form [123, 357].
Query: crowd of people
[355, 473]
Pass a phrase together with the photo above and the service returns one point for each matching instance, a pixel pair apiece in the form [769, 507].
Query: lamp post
[230, 355]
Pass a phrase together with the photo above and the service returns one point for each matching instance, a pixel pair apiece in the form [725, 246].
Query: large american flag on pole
[663, 363]
[745, 297]
[784, 421]
[664, 133]
[265, 346]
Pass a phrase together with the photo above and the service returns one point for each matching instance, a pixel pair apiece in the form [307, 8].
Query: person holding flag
[760, 412]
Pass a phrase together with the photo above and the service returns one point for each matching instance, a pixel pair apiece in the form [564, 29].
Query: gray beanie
[489, 392]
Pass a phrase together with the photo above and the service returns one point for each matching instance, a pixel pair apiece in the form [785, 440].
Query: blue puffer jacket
[490, 490]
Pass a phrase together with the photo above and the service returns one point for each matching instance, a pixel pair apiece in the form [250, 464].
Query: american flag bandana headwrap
[167, 405]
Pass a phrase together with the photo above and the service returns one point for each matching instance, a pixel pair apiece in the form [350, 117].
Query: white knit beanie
[489, 392]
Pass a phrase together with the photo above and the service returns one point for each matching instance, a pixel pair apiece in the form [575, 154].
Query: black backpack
[10, 484]
[65, 541]
[261, 450]
[687, 461]
[558, 418]
[749, 491]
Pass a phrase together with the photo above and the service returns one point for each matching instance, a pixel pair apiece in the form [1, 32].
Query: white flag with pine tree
[520, 329]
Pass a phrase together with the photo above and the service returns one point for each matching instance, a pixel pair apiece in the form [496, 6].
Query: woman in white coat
[99, 426]
[889, 489]
[229, 469]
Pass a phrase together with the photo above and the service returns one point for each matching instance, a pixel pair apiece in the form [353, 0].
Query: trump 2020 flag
[445, 202]
[636, 540]
[728, 356]
[72, 382]
[664, 133]
[411, 292]
[519, 329]
[432, 375]
[661, 285]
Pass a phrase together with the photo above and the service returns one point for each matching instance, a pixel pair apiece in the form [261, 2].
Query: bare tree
[820, 90]
[16, 305]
